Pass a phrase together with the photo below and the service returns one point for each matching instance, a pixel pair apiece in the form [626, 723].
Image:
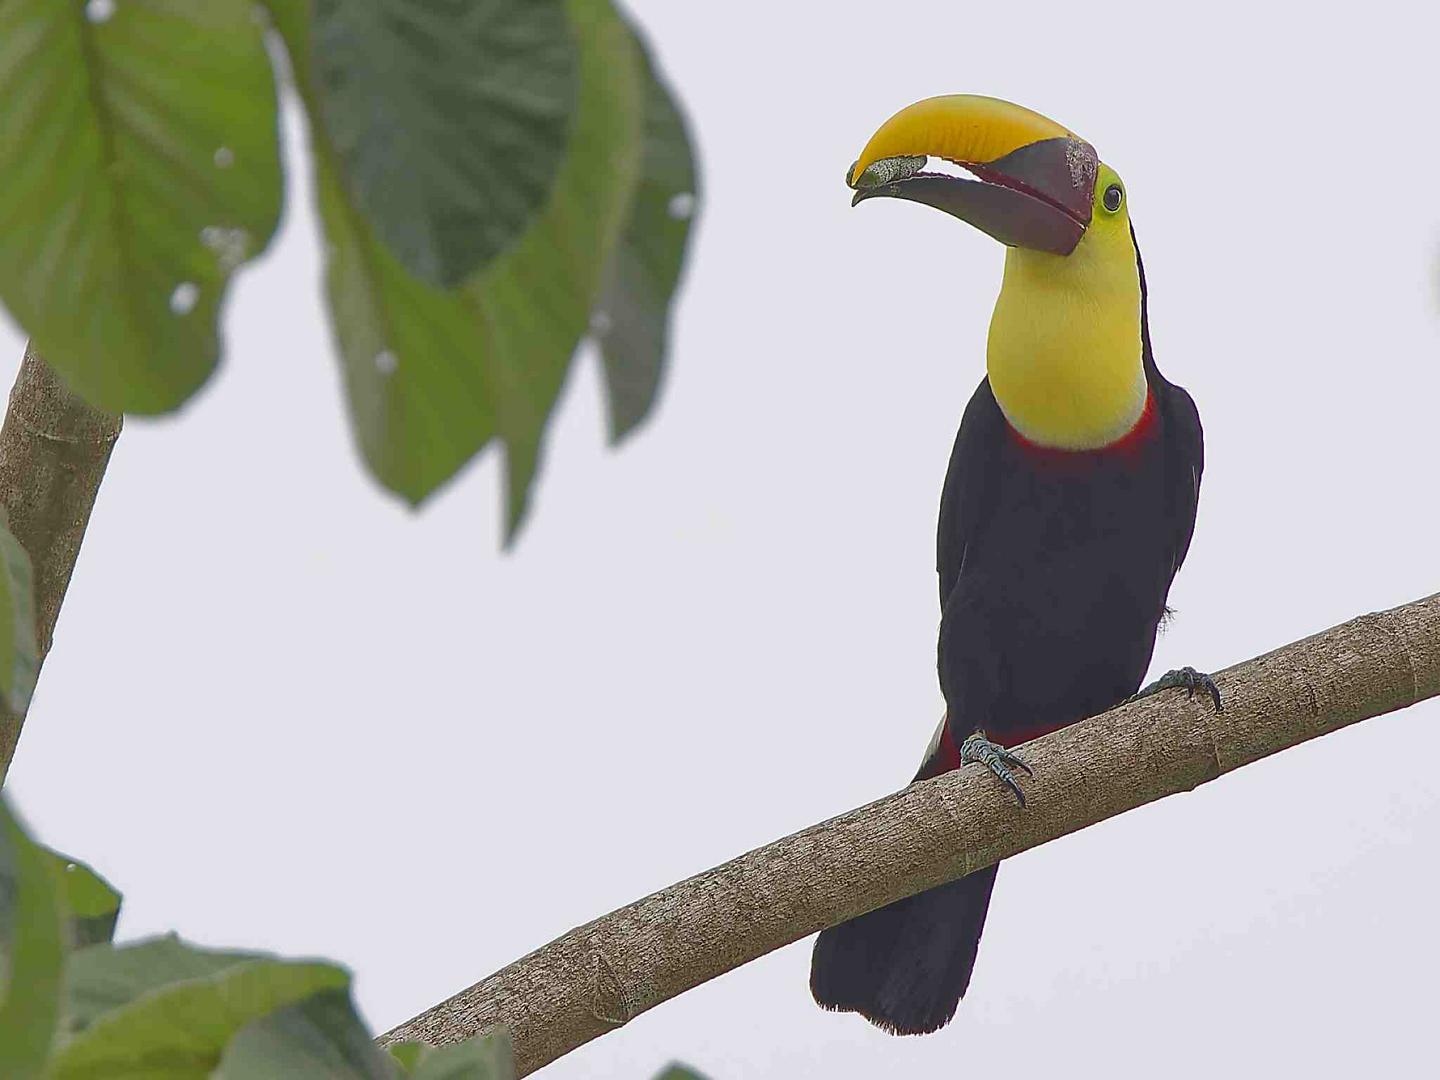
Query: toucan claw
[1185, 678]
[978, 750]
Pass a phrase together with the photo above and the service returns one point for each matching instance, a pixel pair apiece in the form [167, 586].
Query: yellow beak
[1035, 179]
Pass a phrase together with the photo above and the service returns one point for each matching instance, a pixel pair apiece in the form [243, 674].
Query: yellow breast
[1064, 354]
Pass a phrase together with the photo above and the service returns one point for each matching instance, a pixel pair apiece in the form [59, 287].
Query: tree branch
[53, 451]
[597, 977]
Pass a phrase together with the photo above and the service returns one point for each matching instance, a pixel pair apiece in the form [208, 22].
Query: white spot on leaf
[182, 300]
[99, 11]
[386, 362]
[681, 206]
[230, 246]
[224, 157]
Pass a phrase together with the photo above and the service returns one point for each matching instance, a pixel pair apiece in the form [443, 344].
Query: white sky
[283, 712]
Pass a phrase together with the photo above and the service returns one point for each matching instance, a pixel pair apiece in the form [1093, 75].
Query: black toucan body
[1067, 509]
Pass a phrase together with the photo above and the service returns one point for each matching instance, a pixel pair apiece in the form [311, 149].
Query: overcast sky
[284, 712]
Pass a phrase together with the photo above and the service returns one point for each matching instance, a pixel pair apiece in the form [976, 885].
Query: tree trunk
[53, 451]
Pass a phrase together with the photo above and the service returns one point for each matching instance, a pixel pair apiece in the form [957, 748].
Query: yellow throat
[1064, 355]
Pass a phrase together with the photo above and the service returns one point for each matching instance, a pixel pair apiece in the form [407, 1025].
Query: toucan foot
[978, 750]
[1185, 678]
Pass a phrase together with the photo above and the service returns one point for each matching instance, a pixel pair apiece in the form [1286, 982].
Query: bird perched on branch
[1067, 509]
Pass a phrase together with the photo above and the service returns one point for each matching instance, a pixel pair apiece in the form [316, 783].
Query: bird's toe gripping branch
[978, 750]
[1185, 678]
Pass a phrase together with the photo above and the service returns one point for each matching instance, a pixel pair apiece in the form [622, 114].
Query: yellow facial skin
[1064, 354]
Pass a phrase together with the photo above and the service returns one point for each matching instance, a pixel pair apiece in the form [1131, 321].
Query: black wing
[967, 484]
[1184, 437]
[1184, 464]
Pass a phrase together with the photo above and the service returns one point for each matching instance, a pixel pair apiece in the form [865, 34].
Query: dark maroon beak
[1037, 197]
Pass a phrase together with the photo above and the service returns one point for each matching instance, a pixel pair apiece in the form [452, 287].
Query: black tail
[905, 967]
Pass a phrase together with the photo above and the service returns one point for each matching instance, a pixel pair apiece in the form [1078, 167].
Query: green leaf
[92, 902]
[632, 318]
[32, 954]
[485, 1057]
[412, 354]
[448, 120]
[320, 1038]
[536, 299]
[140, 163]
[180, 1030]
[101, 979]
[433, 375]
[19, 657]
[408, 1054]
[676, 1071]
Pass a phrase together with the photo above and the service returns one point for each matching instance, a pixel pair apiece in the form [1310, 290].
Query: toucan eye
[1113, 196]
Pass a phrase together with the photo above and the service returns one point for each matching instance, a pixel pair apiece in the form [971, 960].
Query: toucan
[1068, 505]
